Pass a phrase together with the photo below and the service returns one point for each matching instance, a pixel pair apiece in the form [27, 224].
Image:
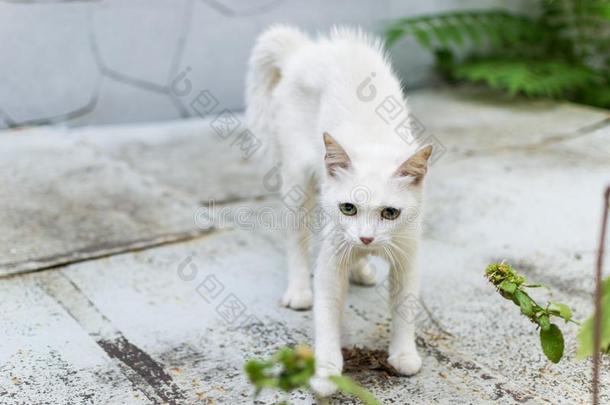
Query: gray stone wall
[113, 61]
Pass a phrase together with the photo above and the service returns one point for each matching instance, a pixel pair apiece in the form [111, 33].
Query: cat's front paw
[406, 363]
[298, 298]
[329, 364]
[322, 386]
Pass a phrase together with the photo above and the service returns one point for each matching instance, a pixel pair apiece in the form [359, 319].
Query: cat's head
[374, 200]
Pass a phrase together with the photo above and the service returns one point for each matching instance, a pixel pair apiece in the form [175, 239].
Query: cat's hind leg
[299, 199]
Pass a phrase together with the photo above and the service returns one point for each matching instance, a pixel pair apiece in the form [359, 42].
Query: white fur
[297, 89]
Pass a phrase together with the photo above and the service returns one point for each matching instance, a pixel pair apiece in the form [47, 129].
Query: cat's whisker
[339, 251]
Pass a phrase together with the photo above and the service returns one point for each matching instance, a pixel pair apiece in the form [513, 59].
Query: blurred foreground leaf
[292, 368]
[585, 335]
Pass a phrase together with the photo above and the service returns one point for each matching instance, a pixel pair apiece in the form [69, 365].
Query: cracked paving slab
[540, 210]
[39, 83]
[46, 357]
[62, 201]
[475, 121]
[172, 304]
[191, 162]
[166, 308]
[537, 207]
[74, 194]
[187, 155]
[153, 39]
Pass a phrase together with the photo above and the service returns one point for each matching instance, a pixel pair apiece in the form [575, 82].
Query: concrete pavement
[113, 292]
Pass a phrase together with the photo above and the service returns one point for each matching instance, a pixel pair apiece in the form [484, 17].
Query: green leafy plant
[585, 335]
[564, 52]
[292, 368]
[512, 287]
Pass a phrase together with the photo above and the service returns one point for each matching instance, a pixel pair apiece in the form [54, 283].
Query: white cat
[317, 106]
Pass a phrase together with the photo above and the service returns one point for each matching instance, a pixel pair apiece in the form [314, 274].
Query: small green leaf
[525, 303]
[442, 34]
[455, 34]
[508, 287]
[530, 77]
[473, 34]
[544, 322]
[552, 343]
[561, 310]
[603, 10]
[586, 333]
[422, 37]
[393, 34]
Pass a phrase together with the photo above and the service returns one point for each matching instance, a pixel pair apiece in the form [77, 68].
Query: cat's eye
[348, 209]
[390, 213]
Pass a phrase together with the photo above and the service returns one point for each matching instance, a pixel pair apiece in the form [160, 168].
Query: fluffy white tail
[264, 73]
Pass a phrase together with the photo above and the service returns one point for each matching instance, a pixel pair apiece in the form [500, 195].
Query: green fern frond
[531, 78]
[562, 52]
[455, 28]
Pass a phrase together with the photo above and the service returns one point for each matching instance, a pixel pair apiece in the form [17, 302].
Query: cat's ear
[335, 157]
[417, 165]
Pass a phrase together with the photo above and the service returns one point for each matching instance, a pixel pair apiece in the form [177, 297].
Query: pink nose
[366, 241]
